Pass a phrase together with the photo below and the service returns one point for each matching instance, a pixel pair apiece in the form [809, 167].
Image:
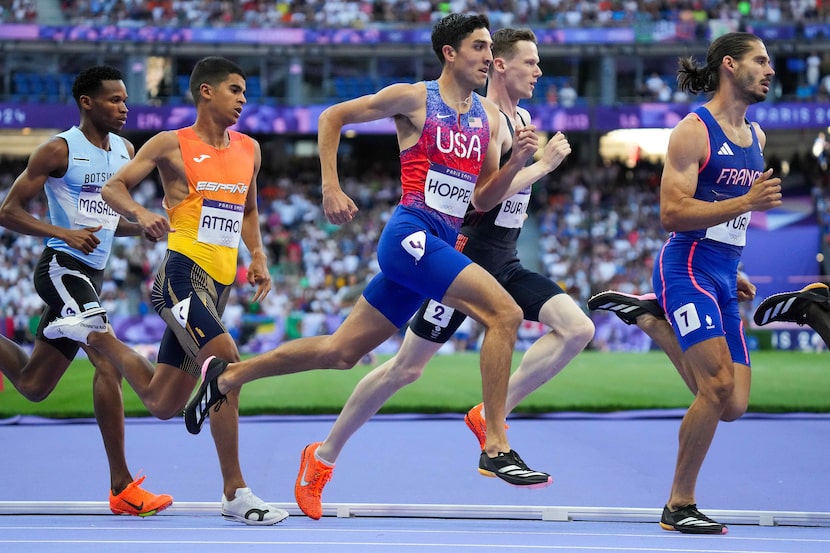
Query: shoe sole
[815, 292]
[539, 485]
[249, 522]
[155, 511]
[627, 312]
[671, 528]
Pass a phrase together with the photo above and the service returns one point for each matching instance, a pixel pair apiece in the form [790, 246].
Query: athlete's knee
[402, 374]
[160, 409]
[507, 316]
[733, 411]
[34, 392]
[161, 405]
[580, 331]
[34, 389]
[719, 388]
[736, 406]
[336, 356]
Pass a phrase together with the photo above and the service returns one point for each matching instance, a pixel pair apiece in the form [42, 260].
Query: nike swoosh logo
[303, 481]
[134, 506]
[444, 115]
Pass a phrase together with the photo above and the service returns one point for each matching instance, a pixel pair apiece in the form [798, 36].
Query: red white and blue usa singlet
[439, 172]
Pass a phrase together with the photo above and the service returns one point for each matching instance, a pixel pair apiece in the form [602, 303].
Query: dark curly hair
[453, 29]
[88, 82]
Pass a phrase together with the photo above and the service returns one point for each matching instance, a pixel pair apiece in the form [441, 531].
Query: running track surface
[409, 483]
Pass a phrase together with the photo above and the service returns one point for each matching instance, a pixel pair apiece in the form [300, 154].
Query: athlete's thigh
[709, 360]
[174, 386]
[436, 322]
[102, 363]
[191, 304]
[419, 257]
[561, 312]
[530, 290]
[364, 329]
[478, 294]
[733, 327]
[743, 383]
[49, 363]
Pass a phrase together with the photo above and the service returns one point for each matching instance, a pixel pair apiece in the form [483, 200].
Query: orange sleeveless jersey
[208, 221]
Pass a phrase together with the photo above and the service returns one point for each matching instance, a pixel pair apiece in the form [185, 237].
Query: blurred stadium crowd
[589, 232]
[591, 228]
[588, 240]
[359, 13]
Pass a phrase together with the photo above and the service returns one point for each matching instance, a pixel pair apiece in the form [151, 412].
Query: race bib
[220, 223]
[93, 210]
[438, 314]
[513, 210]
[731, 232]
[449, 190]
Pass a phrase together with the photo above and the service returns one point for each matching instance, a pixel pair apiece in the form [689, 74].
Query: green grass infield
[593, 382]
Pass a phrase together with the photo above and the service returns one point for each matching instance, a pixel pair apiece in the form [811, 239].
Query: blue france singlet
[728, 172]
[75, 199]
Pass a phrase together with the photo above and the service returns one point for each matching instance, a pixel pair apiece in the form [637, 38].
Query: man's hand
[154, 226]
[746, 290]
[259, 276]
[765, 192]
[338, 207]
[83, 240]
[555, 152]
[525, 144]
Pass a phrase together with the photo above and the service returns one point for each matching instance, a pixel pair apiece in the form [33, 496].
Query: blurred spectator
[813, 72]
[653, 85]
[552, 95]
[567, 95]
[362, 13]
[820, 150]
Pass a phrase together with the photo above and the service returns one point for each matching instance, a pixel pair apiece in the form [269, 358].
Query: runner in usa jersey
[489, 238]
[444, 131]
[438, 173]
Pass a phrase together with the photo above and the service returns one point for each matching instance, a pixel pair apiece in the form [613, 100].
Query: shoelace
[321, 478]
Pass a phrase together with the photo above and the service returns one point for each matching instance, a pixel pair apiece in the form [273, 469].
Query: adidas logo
[691, 521]
[515, 470]
[779, 308]
[725, 150]
[621, 307]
